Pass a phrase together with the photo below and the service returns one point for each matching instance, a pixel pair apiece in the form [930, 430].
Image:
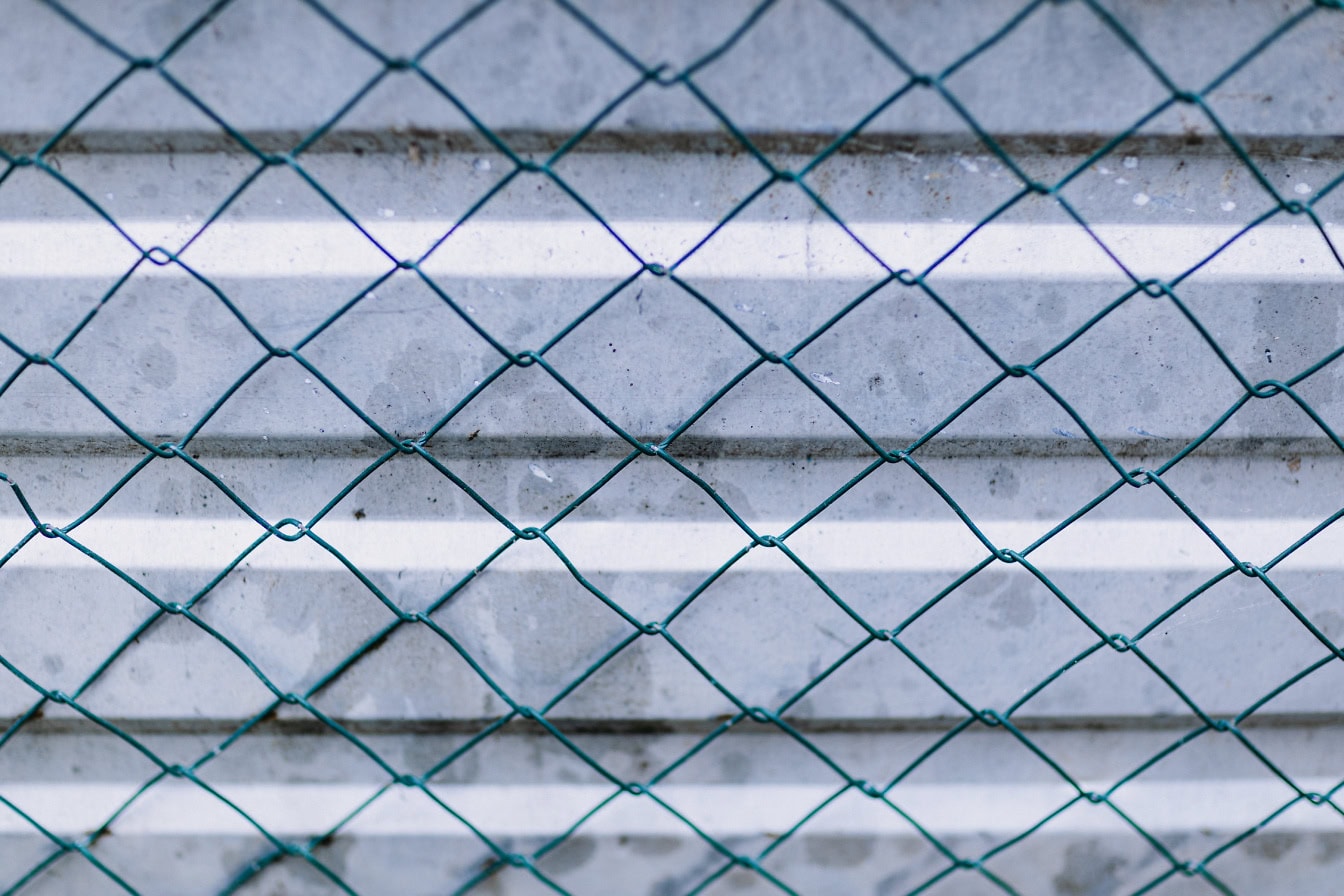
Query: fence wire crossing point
[650, 77]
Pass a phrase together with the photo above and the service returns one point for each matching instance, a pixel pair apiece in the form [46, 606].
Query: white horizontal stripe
[299, 810]
[743, 250]
[136, 543]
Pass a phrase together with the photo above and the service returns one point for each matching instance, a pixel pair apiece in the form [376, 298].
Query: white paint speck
[740, 306]
[1302, 189]
[824, 378]
[1141, 199]
[481, 164]
[469, 309]
[538, 472]
[1228, 206]
[307, 382]
[110, 196]
[1102, 169]
[1121, 181]
[1131, 162]
[387, 213]
[968, 165]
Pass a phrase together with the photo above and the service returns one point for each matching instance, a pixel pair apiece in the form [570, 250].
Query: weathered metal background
[129, 126]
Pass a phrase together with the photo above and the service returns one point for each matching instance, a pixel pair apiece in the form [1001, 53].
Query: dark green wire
[644, 78]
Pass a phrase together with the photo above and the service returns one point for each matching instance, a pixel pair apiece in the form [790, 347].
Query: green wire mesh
[646, 77]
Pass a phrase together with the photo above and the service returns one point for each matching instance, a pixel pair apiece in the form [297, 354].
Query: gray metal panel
[405, 164]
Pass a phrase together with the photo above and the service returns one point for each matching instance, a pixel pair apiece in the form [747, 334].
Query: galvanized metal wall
[407, 164]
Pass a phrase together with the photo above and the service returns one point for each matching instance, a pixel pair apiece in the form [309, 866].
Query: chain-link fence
[647, 80]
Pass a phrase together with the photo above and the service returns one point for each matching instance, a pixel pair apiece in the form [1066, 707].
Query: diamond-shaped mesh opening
[528, 648]
[940, 196]
[785, 84]
[177, 669]
[780, 236]
[249, 74]
[765, 392]
[524, 280]
[428, 134]
[371, 688]
[1190, 55]
[47, 653]
[1067, 852]
[1034, 257]
[145, 99]
[40, 214]
[707, 633]
[560, 74]
[645, 675]
[254, 240]
[670, 203]
[80, 416]
[1244, 101]
[406, 386]
[1076, 78]
[1305, 836]
[291, 636]
[255, 409]
[549, 446]
[121, 354]
[1005, 616]
[1118, 383]
[895, 388]
[1229, 681]
[1215, 769]
[46, 96]
[620, 353]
